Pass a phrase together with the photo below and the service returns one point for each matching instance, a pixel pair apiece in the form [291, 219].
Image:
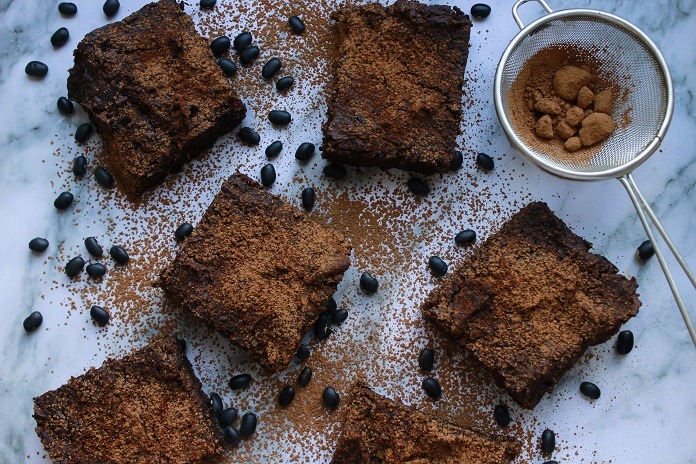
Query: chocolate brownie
[529, 302]
[152, 88]
[396, 95]
[146, 407]
[379, 430]
[257, 270]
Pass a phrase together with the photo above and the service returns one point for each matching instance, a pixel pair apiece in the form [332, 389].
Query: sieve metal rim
[517, 142]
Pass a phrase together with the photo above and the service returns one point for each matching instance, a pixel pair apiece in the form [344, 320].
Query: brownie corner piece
[145, 407]
[529, 302]
[395, 98]
[257, 270]
[151, 86]
[379, 430]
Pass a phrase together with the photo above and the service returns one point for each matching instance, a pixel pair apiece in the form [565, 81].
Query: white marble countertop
[647, 412]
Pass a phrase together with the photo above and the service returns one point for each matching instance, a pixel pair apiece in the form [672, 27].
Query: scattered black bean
[242, 41]
[279, 117]
[274, 149]
[339, 316]
[33, 321]
[64, 200]
[248, 136]
[220, 45]
[438, 266]
[590, 390]
[432, 388]
[119, 254]
[304, 377]
[457, 160]
[208, 3]
[501, 413]
[284, 83]
[240, 381]
[231, 435]
[296, 24]
[548, 441]
[216, 403]
[287, 394]
[305, 151]
[111, 7]
[227, 417]
[228, 67]
[93, 247]
[465, 236]
[322, 328]
[485, 161]
[368, 283]
[624, 344]
[480, 10]
[426, 359]
[249, 54]
[271, 67]
[103, 177]
[74, 266]
[67, 8]
[645, 251]
[248, 425]
[60, 37]
[96, 270]
[268, 175]
[183, 231]
[38, 245]
[79, 167]
[65, 106]
[36, 69]
[334, 171]
[331, 397]
[99, 314]
[418, 186]
[308, 198]
[83, 132]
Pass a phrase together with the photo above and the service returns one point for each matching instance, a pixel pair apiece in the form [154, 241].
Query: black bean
[227, 417]
[322, 328]
[550, 462]
[119, 254]
[231, 435]
[480, 10]
[457, 160]
[279, 117]
[268, 175]
[304, 377]
[274, 149]
[645, 251]
[183, 231]
[216, 403]
[271, 67]
[93, 247]
[334, 171]
[331, 305]
[242, 41]
[339, 316]
[111, 7]
[331, 397]
[248, 425]
[426, 359]
[228, 67]
[501, 413]
[296, 24]
[103, 177]
[485, 161]
[418, 187]
[368, 283]
[308, 198]
[287, 394]
[79, 167]
[465, 236]
[548, 441]
[83, 132]
[220, 45]
[240, 381]
[36, 69]
[99, 314]
[67, 8]
[303, 352]
[208, 3]
[438, 266]
[624, 343]
[248, 136]
[96, 270]
[432, 388]
[60, 37]
[65, 106]
[64, 200]
[33, 321]
[38, 245]
[284, 83]
[305, 151]
[249, 54]
[590, 390]
[74, 266]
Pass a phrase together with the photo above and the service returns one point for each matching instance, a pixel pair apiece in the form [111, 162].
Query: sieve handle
[642, 208]
[519, 3]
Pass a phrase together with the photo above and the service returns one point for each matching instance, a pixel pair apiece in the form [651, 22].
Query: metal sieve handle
[519, 3]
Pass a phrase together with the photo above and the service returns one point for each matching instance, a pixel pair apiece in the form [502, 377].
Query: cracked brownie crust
[530, 301]
[397, 88]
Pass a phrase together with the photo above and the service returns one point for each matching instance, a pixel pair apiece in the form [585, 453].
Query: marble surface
[647, 412]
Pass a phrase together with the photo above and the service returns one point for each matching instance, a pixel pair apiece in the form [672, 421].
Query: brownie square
[154, 91]
[379, 430]
[257, 270]
[145, 408]
[530, 301]
[396, 94]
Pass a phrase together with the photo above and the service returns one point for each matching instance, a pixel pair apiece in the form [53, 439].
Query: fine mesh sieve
[643, 108]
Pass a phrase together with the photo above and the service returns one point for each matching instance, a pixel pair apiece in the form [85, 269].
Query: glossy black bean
[268, 175]
[60, 37]
[432, 388]
[305, 151]
[67, 8]
[465, 236]
[296, 24]
[99, 314]
[334, 171]
[331, 305]
[119, 254]
[83, 132]
[480, 10]
[279, 117]
[274, 149]
[457, 160]
[216, 403]
[548, 441]
[550, 462]
[308, 198]
[331, 397]
[227, 417]
[103, 177]
[231, 435]
[248, 425]
[249, 54]
[322, 329]
[485, 162]
[368, 283]
[79, 167]
[228, 67]
[220, 45]
[438, 266]
[426, 359]
[271, 67]
[36, 69]
[339, 316]
[63, 201]
[304, 377]
[645, 251]
[74, 266]
[303, 352]
[96, 270]
[38, 245]
[33, 321]
[248, 136]
[242, 41]
[418, 186]
[287, 394]
[111, 7]
[590, 390]
[93, 247]
[183, 231]
[207, 3]
[240, 381]
[625, 342]
[65, 106]
[501, 413]
[284, 83]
